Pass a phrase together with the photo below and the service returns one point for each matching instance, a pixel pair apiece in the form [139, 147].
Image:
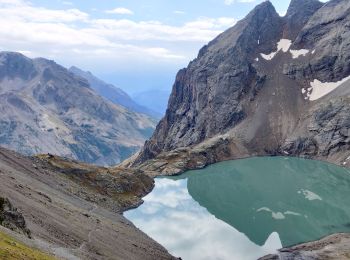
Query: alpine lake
[245, 209]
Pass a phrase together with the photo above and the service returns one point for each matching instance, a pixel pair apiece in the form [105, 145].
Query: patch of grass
[11, 249]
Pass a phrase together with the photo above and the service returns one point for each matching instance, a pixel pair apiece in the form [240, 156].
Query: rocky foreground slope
[73, 210]
[44, 108]
[270, 85]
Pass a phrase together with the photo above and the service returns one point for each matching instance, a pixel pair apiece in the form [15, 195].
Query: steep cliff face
[46, 109]
[206, 97]
[263, 87]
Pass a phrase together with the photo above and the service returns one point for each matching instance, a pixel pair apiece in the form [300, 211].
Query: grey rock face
[298, 14]
[44, 108]
[325, 133]
[207, 96]
[327, 32]
[258, 105]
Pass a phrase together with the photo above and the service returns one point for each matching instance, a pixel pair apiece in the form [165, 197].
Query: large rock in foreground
[334, 247]
[11, 218]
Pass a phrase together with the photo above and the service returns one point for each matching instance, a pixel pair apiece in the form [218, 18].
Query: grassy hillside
[11, 249]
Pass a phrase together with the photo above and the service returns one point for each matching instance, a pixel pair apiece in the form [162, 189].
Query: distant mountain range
[156, 99]
[45, 108]
[114, 94]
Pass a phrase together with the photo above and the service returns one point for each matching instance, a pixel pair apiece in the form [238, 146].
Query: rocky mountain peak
[299, 12]
[262, 24]
[14, 65]
[297, 6]
[265, 6]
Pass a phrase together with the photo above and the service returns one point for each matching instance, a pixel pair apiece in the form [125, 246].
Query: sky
[137, 45]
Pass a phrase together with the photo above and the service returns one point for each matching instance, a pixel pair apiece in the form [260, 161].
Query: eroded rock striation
[270, 85]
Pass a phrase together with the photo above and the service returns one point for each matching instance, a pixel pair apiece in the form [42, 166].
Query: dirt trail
[81, 248]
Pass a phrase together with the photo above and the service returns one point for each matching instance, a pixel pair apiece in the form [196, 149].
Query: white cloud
[201, 30]
[179, 12]
[17, 10]
[75, 35]
[230, 2]
[170, 212]
[120, 10]
[67, 3]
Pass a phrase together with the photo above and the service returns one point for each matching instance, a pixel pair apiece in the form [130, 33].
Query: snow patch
[309, 195]
[275, 215]
[297, 53]
[282, 45]
[319, 89]
[278, 215]
[257, 59]
[313, 52]
[292, 213]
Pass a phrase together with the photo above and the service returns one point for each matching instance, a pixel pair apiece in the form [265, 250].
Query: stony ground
[334, 247]
[70, 212]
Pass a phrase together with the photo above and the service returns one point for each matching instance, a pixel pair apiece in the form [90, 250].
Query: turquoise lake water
[245, 209]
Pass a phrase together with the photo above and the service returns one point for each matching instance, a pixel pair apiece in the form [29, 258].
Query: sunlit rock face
[256, 206]
[270, 85]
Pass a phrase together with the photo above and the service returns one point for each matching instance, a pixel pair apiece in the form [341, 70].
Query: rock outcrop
[270, 85]
[44, 108]
[331, 248]
[11, 218]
